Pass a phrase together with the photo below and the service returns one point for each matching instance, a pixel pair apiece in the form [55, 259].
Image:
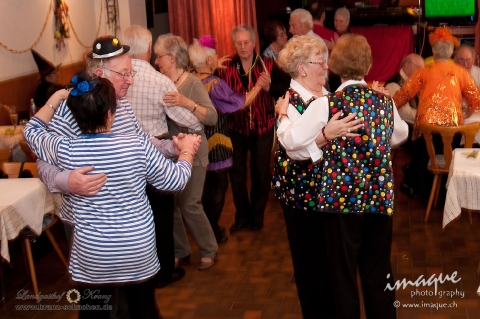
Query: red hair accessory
[208, 41]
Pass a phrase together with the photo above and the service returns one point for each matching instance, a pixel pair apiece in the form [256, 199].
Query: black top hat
[107, 46]
[45, 67]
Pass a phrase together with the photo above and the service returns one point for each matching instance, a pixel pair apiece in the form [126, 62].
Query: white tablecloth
[23, 202]
[463, 185]
[475, 117]
[11, 142]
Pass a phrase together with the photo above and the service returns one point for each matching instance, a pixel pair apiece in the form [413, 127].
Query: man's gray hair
[469, 47]
[93, 64]
[139, 39]
[244, 27]
[304, 16]
[343, 12]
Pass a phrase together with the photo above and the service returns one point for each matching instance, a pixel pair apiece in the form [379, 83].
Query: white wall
[22, 21]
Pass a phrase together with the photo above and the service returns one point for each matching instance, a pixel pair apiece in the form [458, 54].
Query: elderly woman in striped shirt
[114, 238]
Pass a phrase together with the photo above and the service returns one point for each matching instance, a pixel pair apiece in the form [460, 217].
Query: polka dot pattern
[296, 182]
[357, 175]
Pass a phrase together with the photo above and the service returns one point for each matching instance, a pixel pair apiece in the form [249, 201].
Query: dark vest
[294, 182]
[357, 175]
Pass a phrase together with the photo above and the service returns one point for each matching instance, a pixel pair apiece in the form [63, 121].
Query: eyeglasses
[467, 61]
[161, 56]
[416, 65]
[321, 63]
[125, 75]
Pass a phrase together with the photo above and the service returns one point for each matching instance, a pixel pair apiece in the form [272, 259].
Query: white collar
[350, 82]
[403, 75]
[304, 93]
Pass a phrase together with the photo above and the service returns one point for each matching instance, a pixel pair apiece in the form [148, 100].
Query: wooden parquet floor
[253, 277]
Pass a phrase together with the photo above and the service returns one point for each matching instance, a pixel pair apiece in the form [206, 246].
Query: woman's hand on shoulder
[177, 99]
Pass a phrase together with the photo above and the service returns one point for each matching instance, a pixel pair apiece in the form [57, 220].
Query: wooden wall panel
[19, 91]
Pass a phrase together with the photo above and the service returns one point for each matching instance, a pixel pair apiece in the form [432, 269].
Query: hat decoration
[107, 46]
[208, 41]
[443, 33]
[80, 88]
[45, 67]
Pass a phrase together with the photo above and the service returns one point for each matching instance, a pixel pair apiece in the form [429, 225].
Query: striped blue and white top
[64, 124]
[114, 239]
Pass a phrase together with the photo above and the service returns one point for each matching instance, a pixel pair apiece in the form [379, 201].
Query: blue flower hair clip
[82, 87]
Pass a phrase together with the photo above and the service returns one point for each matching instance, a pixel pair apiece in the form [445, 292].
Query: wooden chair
[440, 164]
[13, 170]
[5, 155]
[31, 157]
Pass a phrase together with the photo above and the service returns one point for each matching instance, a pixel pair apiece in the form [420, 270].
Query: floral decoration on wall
[62, 30]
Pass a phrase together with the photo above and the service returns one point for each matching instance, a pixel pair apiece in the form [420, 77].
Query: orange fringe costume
[441, 86]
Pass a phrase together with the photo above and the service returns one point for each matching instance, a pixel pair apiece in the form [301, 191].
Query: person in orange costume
[441, 86]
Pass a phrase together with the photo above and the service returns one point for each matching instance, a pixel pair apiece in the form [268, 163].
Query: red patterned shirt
[259, 117]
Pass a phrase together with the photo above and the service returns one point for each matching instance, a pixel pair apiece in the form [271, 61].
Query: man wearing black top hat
[47, 84]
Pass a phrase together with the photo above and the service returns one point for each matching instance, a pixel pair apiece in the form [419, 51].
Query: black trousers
[305, 232]
[213, 198]
[250, 207]
[162, 204]
[362, 241]
[140, 298]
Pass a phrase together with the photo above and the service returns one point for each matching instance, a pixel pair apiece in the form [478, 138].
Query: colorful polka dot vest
[294, 182]
[357, 175]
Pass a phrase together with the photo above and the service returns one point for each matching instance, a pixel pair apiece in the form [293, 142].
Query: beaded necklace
[175, 82]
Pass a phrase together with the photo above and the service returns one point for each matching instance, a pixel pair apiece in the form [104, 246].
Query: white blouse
[297, 133]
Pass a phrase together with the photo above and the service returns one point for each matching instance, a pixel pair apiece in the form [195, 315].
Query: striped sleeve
[44, 144]
[164, 174]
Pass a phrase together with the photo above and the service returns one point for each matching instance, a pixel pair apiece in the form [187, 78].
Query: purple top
[222, 96]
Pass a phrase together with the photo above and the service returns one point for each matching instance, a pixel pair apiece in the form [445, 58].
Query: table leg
[55, 246]
[31, 265]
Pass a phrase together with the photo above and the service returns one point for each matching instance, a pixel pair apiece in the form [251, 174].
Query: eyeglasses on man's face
[125, 75]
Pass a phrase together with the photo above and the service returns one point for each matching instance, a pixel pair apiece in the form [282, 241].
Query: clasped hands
[186, 142]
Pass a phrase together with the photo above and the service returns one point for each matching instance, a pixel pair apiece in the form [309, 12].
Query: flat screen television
[450, 11]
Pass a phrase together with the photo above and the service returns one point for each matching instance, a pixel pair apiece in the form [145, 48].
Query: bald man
[465, 56]
[410, 64]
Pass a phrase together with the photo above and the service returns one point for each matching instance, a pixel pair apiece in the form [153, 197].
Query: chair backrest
[31, 157]
[447, 133]
[13, 169]
[5, 154]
